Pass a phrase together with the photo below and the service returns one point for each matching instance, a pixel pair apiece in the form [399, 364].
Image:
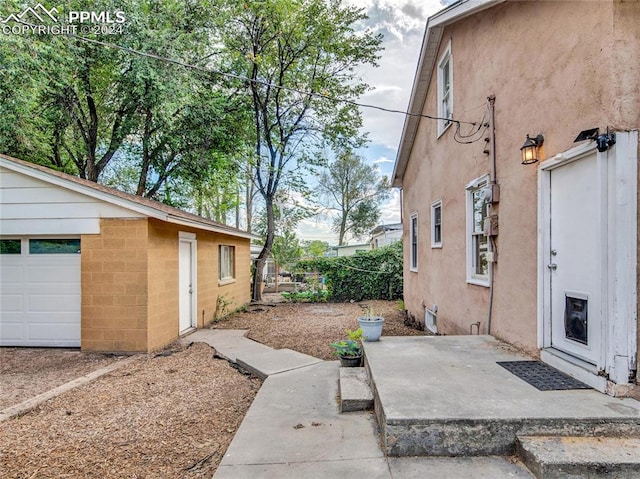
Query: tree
[354, 190]
[315, 248]
[286, 251]
[296, 53]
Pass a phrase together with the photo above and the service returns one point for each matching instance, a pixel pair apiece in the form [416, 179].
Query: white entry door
[186, 281]
[576, 259]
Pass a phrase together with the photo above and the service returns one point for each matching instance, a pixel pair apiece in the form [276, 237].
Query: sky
[402, 23]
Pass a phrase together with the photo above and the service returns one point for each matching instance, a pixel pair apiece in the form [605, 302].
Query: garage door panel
[10, 273]
[48, 273]
[44, 331]
[41, 300]
[11, 331]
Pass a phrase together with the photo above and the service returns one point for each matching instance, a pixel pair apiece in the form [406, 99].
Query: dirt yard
[168, 415]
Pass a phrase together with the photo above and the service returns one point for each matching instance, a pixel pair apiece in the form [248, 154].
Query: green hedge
[375, 274]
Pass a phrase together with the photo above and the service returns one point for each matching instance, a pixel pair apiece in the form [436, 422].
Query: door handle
[552, 266]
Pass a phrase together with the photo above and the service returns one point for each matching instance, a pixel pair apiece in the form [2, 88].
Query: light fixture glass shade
[530, 149]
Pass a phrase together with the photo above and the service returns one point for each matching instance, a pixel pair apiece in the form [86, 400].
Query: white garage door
[40, 292]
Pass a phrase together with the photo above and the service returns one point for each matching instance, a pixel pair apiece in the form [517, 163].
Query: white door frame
[190, 239]
[618, 218]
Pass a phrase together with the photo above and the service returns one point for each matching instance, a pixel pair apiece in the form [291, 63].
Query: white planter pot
[371, 327]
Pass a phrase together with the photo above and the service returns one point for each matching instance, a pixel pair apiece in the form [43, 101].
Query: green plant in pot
[349, 350]
[371, 325]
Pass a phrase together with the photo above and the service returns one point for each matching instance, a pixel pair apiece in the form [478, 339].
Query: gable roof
[138, 204]
[424, 72]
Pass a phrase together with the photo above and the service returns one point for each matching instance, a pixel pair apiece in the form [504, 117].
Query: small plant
[400, 305]
[349, 348]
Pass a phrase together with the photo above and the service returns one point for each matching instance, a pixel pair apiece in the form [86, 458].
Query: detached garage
[84, 265]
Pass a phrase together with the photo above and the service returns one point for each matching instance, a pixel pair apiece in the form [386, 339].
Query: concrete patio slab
[294, 419]
[256, 358]
[458, 467]
[267, 363]
[446, 395]
[226, 342]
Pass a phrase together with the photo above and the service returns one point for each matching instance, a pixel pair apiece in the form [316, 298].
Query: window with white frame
[413, 252]
[445, 90]
[477, 242]
[436, 224]
[226, 265]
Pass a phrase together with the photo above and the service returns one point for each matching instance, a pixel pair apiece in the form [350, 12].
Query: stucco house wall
[554, 69]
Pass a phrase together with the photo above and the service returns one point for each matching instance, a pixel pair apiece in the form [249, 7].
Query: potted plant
[349, 350]
[371, 325]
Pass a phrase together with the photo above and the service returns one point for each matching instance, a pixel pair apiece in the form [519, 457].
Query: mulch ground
[167, 415]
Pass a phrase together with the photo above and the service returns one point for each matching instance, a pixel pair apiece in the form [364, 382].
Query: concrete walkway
[294, 428]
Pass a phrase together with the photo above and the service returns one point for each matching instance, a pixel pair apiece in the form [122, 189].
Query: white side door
[186, 284]
[576, 259]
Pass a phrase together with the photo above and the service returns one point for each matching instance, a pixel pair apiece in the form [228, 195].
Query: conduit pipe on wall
[491, 100]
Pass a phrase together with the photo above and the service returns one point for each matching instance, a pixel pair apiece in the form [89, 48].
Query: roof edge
[424, 72]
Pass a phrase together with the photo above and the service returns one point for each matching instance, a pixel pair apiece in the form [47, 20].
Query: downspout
[493, 181]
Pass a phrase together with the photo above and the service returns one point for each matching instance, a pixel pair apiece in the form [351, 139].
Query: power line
[261, 82]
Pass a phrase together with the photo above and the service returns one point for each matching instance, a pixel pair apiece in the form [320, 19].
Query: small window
[10, 246]
[226, 269]
[477, 242]
[445, 90]
[413, 253]
[436, 224]
[54, 246]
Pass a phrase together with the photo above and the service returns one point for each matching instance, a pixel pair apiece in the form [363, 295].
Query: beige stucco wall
[555, 68]
[130, 283]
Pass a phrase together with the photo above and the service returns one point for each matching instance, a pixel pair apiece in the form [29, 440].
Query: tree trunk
[266, 250]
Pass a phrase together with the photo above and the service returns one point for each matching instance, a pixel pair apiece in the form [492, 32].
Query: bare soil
[166, 415]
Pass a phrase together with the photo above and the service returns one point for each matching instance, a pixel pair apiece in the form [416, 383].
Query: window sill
[413, 270]
[436, 246]
[478, 282]
[224, 282]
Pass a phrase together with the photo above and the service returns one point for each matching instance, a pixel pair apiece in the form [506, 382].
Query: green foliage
[354, 190]
[349, 348]
[315, 248]
[375, 274]
[306, 296]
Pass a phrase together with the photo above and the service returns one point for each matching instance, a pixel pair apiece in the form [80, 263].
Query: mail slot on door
[576, 319]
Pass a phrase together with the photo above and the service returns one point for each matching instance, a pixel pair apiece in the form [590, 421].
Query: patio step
[355, 391]
[447, 396]
[554, 457]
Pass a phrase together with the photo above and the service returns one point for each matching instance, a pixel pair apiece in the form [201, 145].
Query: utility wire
[260, 82]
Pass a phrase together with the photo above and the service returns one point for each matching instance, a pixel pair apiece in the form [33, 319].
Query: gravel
[167, 415]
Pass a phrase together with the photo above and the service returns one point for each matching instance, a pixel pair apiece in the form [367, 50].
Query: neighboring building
[348, 249]
[383, 235]
[86, 265]
[269, 270]
[543, 255]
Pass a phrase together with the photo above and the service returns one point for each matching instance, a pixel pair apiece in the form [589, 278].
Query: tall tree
[353, 190]
[294, 52]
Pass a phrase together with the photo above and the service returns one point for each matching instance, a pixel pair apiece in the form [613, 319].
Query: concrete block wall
[114, 287]
[162, 278]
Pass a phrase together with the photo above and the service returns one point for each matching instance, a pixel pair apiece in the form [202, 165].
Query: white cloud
[382, 159]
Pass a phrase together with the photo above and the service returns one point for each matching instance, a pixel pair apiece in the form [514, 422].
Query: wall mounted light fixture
[531, 149]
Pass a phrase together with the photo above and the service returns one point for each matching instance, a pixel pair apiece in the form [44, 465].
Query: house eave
[148, 211]
[424, 73]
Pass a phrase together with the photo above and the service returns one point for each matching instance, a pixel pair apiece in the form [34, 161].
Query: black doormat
[542, 376]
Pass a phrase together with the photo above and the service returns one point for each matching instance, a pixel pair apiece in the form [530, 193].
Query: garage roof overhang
[424, 73]
[137, 204]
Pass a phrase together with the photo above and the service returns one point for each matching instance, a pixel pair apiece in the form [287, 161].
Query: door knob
[552, 266]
